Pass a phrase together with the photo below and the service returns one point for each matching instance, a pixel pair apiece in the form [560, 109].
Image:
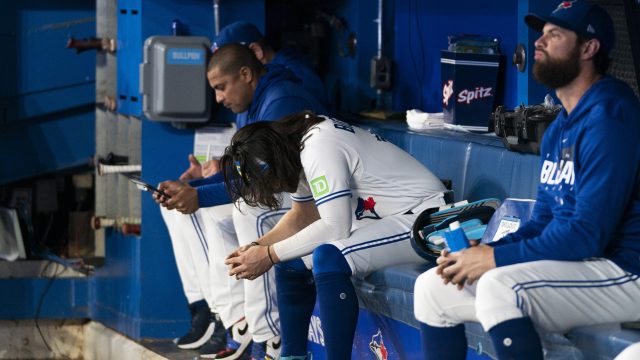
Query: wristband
[269, 253]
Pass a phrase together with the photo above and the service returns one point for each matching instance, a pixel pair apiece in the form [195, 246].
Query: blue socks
[512, 339]
[443, 342]
[516, 339]
[337, 299]
[296, 294]
[336, 296]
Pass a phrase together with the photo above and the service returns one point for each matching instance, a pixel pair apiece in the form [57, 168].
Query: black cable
[41, 301]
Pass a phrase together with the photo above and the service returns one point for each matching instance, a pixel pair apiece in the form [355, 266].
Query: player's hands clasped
[465, 266]
[248, 262]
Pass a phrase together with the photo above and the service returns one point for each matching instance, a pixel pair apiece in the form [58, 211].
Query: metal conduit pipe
[216, 16]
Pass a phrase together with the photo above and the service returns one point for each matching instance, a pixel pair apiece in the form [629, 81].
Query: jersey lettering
[378, 137]
[554, 173]
[319, 186]
[342, 126]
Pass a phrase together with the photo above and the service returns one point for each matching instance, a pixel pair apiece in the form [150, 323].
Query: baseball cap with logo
[583, 17]
[238, 32]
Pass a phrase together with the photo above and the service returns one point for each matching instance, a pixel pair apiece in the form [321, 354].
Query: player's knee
[243, 211]
[329, 259]
[425, 305]
[291, 267]
[292, 277]
[495, 297]
[493, 284]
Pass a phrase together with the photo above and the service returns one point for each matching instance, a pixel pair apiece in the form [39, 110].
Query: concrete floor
[79, 340]
[169, 350]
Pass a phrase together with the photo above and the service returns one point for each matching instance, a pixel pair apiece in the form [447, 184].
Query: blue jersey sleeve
[215, 178]
[213, 195]
[286, 106]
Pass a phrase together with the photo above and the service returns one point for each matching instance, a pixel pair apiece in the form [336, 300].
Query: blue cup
[455, 237]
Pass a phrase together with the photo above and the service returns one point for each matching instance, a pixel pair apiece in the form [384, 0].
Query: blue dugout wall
[47, 91]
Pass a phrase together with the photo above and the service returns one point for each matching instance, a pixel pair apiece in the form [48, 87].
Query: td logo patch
[319, 186]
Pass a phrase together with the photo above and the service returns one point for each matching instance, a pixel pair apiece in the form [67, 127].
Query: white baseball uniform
[368, 193]
[201, 241]
[556, 295]
[190, 248]
[632, 352]
[261, 304]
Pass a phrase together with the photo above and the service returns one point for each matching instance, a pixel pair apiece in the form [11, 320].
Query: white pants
[201, 241]
[261, 305]
[630, 353]
[556, 295]
[376, 244]
[190, 248]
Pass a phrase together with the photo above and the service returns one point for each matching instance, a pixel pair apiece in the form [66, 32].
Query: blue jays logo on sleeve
[366, 209]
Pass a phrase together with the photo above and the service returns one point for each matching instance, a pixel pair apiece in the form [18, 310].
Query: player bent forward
[577, 261]
[355, 197]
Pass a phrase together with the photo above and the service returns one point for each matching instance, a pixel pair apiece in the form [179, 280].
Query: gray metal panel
[173, 79]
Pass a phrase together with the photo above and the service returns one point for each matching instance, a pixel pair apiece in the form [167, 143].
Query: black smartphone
[142, 185]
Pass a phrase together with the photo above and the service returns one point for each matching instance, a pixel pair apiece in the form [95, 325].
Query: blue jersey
[588, 201]
[277, 95]
[301, 67]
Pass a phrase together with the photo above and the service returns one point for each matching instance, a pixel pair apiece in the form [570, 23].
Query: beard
[555, 73]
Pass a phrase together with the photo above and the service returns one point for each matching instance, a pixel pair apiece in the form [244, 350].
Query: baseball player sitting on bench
[255, 93]
[577, 261]
[355, 197]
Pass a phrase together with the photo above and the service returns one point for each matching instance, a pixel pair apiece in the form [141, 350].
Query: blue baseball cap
[238, 32]
[583, 17]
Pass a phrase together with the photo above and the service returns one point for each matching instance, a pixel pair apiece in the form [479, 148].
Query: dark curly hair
[263, 159]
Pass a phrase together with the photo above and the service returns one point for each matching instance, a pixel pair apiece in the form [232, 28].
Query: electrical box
[381, 73]
[173, 79]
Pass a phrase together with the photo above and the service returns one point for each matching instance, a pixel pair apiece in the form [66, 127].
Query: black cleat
[218, 341]
[238, 344]
[202, 326]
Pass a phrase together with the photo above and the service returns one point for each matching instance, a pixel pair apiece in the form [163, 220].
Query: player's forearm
[333, 223]
[304, 241]
[291, 223]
